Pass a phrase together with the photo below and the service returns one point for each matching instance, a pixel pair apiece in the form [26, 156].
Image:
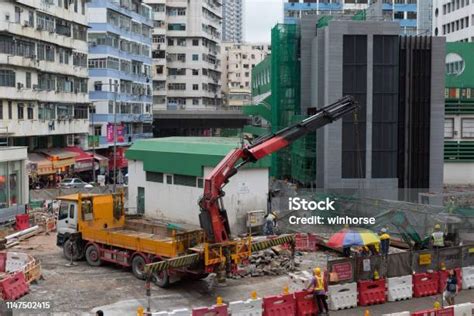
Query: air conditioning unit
[19, 85]
[36, 87]
[39, 27]
[182, 107]
[26, 23]
[7, 17]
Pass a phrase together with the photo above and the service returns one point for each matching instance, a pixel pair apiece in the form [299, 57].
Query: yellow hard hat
[437, 226]
[317, 270]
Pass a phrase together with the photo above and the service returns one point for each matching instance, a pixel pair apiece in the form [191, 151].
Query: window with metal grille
[180, 179]
[154, 176]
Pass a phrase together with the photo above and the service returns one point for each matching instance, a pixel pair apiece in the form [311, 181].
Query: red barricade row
[22, 221]
[371, 292]
[443, 277]
[215, 310]
[14, 286]
[305, 305]
[447, 311]
[279, 305]
[426, 312]
[425, 284]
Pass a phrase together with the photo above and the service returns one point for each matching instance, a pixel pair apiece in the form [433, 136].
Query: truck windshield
[63, 211]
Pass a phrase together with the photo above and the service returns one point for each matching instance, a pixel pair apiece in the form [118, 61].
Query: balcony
[23, 128]
[43, 95]
[125, 118]
[121, 97]
[44, 66]
[108, 50]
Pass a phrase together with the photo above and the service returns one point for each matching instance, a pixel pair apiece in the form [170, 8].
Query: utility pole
[93, 147]
[115, 137]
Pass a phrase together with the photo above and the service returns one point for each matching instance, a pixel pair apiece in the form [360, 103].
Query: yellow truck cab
[94, 226]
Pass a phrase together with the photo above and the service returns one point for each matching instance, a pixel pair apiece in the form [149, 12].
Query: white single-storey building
[166, 179]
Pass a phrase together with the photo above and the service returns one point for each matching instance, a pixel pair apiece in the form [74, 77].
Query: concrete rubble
[274, 261]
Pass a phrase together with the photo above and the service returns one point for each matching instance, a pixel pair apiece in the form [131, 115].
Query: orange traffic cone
[367, 312]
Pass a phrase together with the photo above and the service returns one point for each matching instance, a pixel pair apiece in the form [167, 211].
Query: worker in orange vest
[317, 285]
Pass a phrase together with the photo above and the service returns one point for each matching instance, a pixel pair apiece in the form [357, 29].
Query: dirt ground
[81, 290]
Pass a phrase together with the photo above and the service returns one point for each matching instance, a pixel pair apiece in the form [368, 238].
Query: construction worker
[384, 242]
[270, 223]
[319, 293]
[437, 237]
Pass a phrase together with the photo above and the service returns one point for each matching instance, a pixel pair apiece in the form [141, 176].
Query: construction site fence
[400, 264]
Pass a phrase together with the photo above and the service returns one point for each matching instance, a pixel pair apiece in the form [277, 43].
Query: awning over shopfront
[84, 160]
[102, 161]
[60, 157]
[39, 164]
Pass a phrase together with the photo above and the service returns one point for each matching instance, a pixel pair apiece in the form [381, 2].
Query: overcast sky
[260, 16]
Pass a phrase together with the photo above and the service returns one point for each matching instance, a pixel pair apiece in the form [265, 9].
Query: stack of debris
[274, 261]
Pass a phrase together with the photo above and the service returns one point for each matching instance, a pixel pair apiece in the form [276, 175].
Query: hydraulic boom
[213, 216]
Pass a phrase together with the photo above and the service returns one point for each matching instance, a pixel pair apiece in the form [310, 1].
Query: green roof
[466, 78]
[185, 155]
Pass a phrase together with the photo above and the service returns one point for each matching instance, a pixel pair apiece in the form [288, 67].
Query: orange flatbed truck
[95, 227]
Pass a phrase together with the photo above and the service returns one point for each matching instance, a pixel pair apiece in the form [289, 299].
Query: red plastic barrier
[220, 310]
[443, 277]
[305, 305]
[22, 221]
[3, 261]
[312, 242]
[280, 305]
[14, 286]
[425, 284]
[371, 292]
[426, 312]
[447, 311]
[301, 242]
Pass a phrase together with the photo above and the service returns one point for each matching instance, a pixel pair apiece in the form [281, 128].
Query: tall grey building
[232, 15]
[395, 140]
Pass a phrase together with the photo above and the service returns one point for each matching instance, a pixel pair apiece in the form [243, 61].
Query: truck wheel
[138, 267]
[72, 249]
[161, 279]
[93, 256]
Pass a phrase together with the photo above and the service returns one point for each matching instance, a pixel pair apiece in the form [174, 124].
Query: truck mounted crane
[95, 227]
[213, 216]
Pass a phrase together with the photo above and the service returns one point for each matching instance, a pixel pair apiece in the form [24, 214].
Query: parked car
[74, 183]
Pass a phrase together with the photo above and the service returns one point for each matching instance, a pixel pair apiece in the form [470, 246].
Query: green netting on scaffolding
[285, 87]
[303, 157]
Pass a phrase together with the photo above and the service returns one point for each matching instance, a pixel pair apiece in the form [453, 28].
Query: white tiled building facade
[43, 72]
[186, 54]
[454, 19]
[238, 61]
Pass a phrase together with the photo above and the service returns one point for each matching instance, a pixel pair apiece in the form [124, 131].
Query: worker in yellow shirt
[317, 285]
[384, 242]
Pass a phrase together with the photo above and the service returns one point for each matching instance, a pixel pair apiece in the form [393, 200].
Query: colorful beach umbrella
[348, 237]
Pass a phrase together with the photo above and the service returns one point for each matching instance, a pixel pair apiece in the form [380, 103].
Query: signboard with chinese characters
[119, 130]
[343, 270]
[424, 259]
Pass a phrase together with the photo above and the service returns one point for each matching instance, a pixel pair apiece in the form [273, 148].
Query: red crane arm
[213, 216]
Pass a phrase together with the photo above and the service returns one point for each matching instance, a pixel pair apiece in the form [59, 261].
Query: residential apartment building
[232, 21]
[238, 60]
[454, 19]
[186, 54]
[459, 114]
[43, 73]
[414, 16]
[120, 66]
